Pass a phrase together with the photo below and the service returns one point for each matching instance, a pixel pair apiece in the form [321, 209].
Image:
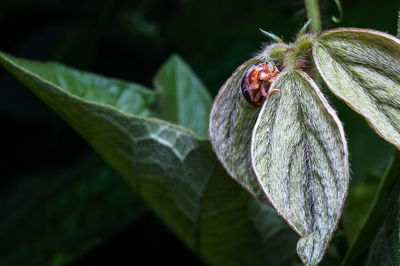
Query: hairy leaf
[173, 170]
[300, 158]
[180, 91]
[53, 218]
[232, 120]
[363, 68]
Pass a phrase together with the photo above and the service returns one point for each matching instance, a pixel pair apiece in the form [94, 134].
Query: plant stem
[312, 8]
[313, 13]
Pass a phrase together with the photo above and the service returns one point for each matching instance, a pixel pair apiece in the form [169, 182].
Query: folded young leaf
[299, 154]
[363, 68]
[232, 120]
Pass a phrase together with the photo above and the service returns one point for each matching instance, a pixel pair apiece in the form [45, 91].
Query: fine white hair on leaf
[362, 67]
[299, 154]
[232, 120]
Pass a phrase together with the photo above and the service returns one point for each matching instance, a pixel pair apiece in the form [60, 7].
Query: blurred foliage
[385, 247]
[81, 206]
[130, 40]
[358, 203]
[381, 220]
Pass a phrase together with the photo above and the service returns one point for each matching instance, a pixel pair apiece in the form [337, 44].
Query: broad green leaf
[363, 68]
[183, 98]
[174, 171]
[375, 215]
[299, 154]
[232, 120]
[386, 245]
[53, 218]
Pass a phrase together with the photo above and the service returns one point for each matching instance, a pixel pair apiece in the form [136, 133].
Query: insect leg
[270, 92]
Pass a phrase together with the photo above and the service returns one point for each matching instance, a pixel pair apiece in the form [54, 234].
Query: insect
[257, 81]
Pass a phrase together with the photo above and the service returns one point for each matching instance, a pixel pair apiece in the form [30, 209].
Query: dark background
[130, 40]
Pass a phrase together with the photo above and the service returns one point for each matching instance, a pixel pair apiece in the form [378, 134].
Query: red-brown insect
[257, 81]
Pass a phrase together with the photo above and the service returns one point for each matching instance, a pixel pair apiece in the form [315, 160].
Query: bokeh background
[130, 40]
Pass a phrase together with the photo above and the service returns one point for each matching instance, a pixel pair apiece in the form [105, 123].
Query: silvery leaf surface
[232, 120]
[363, 68]
[300, 157]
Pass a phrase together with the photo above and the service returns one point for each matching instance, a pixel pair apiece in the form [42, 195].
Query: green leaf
[358, 203]
[174, 171]
[183, 98]
[300, 157]
[232, 120]
[385, 247]
[127, 97]
[53, 218]
[362, 67]
[271, 36]
[375, 215]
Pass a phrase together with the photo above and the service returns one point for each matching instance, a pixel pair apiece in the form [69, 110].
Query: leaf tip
[271, 35]
[304, 28]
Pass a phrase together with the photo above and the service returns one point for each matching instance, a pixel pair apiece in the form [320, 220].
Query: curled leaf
[363, 68]
[340, 9]
[300, 157]
[232, 120]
